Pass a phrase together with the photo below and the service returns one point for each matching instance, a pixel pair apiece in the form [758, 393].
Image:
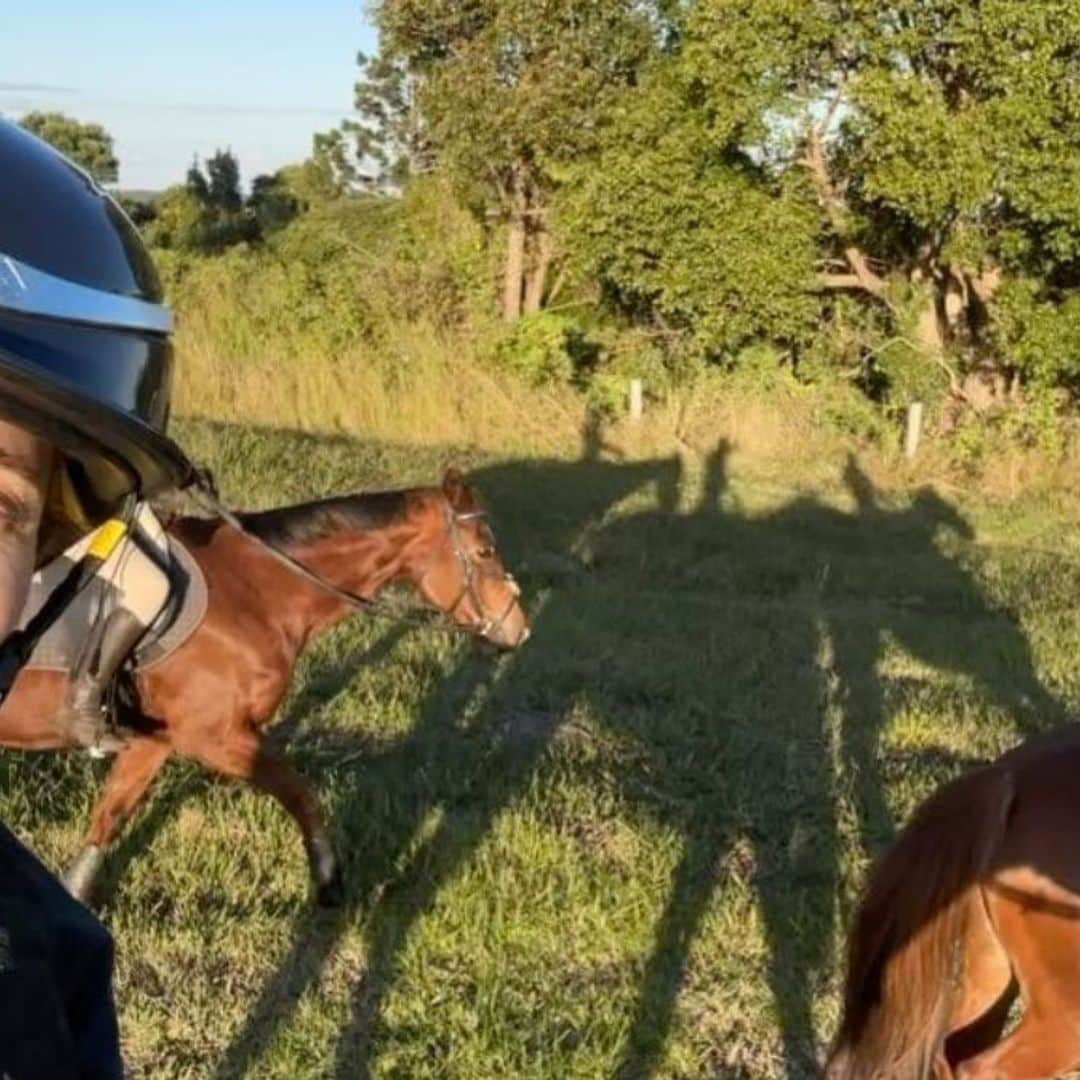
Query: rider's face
[25, 465]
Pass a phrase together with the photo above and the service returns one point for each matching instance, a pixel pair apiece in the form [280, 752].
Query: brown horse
[210, 698]
[979, 901]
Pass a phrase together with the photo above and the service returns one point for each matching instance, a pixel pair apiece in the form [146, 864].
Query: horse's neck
[361, 562]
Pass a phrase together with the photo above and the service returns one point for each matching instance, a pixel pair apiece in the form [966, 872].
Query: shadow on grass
[741, 653]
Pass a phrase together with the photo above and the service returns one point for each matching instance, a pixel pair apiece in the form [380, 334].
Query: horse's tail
[906, 946]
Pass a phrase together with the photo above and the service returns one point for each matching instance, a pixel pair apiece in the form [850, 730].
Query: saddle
[62, 646]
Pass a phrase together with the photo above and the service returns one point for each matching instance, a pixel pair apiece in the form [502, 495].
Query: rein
[206, 490]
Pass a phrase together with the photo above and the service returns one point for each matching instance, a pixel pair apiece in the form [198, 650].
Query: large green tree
[88, 145]
[935, 140]
[500, 93]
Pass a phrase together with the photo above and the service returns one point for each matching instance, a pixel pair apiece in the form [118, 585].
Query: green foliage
[682, 231]
[970, 118]
[178, 222]
[272, 202]
[899, 360]
[540, 347]
[141, 210]
[881, 197]
[208, 213]
[221, 188]
[947, 135]
[501, 83]
[389, 135]
[1040, 334]
[346, 271]
[498, 95]
[88, 145]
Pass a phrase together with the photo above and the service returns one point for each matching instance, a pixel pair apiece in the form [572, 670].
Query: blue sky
[170, 80]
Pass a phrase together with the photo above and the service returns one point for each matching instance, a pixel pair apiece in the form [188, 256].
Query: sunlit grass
[629, 850]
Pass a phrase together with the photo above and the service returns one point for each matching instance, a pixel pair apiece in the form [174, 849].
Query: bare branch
[836, 209]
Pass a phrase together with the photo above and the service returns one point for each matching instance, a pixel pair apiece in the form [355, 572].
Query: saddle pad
[60, 648]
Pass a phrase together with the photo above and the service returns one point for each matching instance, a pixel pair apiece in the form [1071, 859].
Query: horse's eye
[485, 553]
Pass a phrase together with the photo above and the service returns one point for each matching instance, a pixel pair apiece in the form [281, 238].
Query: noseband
[471, 574]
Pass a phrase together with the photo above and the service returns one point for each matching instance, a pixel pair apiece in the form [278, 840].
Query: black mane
[314, 520]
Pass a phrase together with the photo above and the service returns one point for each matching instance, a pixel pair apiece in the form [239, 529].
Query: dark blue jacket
[57, 1016]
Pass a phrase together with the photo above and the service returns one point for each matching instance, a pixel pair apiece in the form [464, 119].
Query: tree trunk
[538, 271]
[514, 270]
[928, 332]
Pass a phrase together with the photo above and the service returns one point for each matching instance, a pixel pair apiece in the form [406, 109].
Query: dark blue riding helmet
[85, 351]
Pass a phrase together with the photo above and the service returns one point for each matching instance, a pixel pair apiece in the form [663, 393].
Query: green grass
[629, 850]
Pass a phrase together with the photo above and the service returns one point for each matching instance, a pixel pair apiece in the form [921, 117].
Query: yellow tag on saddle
[107, 539]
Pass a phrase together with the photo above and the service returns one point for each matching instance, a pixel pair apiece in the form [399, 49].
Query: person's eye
[15, 512]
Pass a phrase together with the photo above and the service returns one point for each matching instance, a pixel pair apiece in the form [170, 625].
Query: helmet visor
[25, 290]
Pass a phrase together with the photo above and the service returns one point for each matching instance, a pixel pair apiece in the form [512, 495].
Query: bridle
[471, 574]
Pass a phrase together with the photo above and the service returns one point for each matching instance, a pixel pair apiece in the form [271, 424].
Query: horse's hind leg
[131, 774]
[242, 755]
[988, 989]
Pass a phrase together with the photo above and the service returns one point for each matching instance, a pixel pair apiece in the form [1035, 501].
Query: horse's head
[460, 570]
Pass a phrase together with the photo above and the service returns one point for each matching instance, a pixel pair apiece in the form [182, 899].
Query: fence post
[636, 399]
[913, 430]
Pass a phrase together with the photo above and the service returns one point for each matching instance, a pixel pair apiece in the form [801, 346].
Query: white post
[636, 399]
[913, 430]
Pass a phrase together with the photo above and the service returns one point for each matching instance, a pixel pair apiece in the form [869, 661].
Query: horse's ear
[453, 485]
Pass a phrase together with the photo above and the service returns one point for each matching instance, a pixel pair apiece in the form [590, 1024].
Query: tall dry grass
[268, 342]
[280, 343]
[422, 390]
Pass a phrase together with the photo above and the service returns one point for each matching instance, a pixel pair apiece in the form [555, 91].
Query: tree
[272, 203]
[196, 183]
[207, 213]
[223, 182]
[935, 140]
[88, 145]
[688, 227]
[500, 93]
[389, 137]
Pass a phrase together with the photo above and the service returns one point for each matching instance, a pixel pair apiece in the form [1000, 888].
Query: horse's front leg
[240, 753]
[131, 774]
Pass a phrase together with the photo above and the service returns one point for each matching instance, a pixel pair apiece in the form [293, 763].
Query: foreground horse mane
[907, 939]
[324, 517]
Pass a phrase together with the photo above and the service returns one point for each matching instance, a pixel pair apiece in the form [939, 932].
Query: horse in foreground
[209, 699]
[977, 903]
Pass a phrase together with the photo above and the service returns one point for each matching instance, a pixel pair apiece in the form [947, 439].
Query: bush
[539, 348]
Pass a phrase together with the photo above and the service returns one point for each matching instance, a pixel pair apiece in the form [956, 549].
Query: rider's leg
[84, 717]
[142, 583]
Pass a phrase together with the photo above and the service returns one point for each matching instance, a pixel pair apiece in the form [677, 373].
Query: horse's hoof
[331, 893]
[82, 873]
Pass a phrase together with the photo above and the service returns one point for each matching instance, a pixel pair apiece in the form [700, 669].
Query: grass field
[627, 851]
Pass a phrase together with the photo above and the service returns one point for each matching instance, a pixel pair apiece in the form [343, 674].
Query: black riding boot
[83, 717]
